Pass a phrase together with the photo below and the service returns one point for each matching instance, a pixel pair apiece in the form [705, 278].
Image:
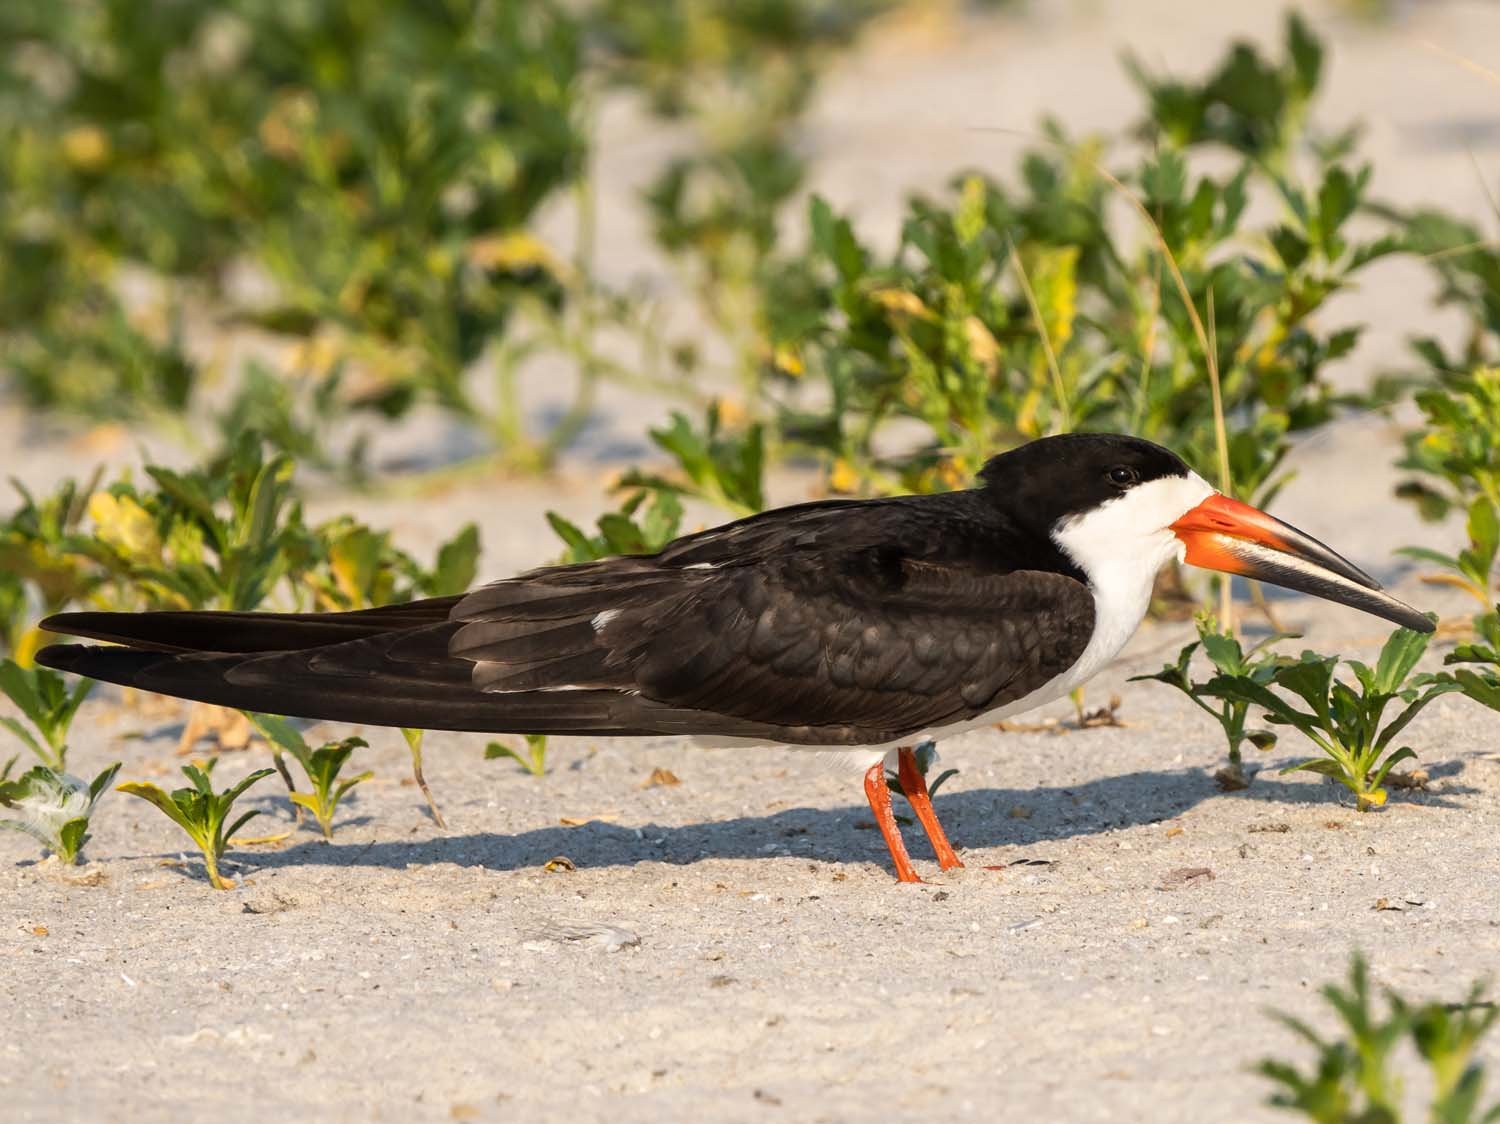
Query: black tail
[381, 667]
[421, 697]
[247, 632]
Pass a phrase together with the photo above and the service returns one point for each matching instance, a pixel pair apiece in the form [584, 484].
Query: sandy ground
[771, 968]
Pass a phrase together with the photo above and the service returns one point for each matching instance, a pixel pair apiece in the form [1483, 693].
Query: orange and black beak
[1235, 538]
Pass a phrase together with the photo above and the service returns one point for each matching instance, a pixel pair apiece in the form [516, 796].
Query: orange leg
[879, 797]
[915, 787]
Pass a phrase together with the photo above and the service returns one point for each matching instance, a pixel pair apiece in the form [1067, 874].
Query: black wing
[842, 623]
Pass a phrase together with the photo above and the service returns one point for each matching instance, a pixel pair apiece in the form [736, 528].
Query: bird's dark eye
[1122, 476]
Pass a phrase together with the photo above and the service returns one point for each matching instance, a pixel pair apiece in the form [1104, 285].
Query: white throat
[1120, 547]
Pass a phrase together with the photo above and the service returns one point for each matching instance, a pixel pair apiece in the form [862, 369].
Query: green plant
[1476, 663]
[217, 537]
[348, 565]
[1454, 457]
[534, 760]
[1006, 314]
[1354, 1077]
[1346, 721]
[201, 812]
[1228, 657]
[322, 766]
[370, 191]
[1251, 104]
[638, 527]
[54, 807]
[44, 698]
[724, 468]
[414, 739]
[1471, 568]
[228, 535]
[1454, 460]
[39, 574]
[1462, 256]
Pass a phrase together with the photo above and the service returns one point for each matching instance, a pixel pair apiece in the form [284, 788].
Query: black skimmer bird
[855, 626]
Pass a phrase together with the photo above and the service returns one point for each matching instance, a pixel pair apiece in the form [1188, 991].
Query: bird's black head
[1044, 484]
[1116, 509]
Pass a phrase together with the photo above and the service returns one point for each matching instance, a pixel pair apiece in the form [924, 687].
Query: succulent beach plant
[54, 807]
[1345, 720]
[1356, 1075]
[202, 812]
[44, 698]
[533, 759]
[321, 765]
[1229, 658]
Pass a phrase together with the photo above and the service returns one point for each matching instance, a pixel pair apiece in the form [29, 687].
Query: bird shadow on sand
[1027, 821]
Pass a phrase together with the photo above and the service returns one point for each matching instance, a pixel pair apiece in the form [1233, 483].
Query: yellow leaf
[515, 250]
[315, 356]
[1054, 279]
[732, 414]
[28, 645]
[125, 525]
[788, 361]
[843, 478]
[86, 147]
[901, 303]
[953, 473]
[278, 130]
[982, 344]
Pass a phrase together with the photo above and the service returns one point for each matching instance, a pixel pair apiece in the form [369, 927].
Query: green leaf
[1483, 525]
[345, 786]
[534, 762]
[100, 784]
[1483, 689]
[1305, 52]
[233, 793]
[19, 686]
[1224, 651]
[457, 563]
[1324, 765]
[71, 837]
[581, 549]
[1402, 754]
[153, 794]
[1422, 554]
[1310, 679]
[200, 777]
[1397, 658]
[1439, 686]
[228, 836]
[834, 238]
[280, 732]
